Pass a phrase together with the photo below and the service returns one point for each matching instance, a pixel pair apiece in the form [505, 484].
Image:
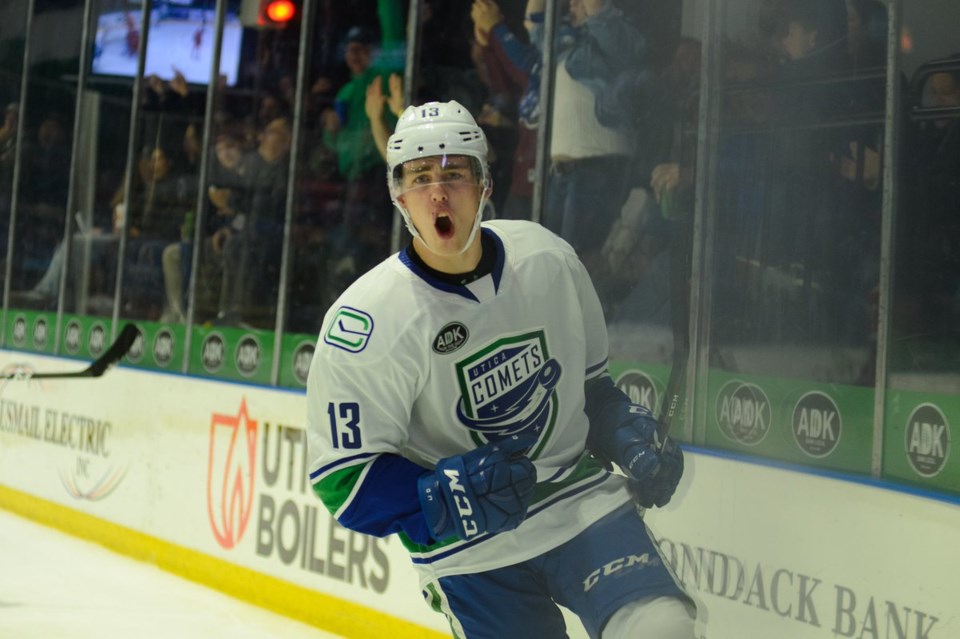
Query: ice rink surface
[55, 586]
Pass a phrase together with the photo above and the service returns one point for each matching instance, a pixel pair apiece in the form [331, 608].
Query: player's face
[442, 194]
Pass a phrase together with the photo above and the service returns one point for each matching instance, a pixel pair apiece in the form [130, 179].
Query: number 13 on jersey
[344, 424]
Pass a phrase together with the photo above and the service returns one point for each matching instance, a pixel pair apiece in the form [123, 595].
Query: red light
[280, 10]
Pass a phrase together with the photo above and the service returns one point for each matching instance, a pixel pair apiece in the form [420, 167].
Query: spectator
[811, 35]
[192, 146]
[649, 243]
[591, 168]
[867, 33]
[512, 70]
[786, 204]
[225, 180]
[929, 258]
[171, 106]
[742, 190]
[252, 245]
[158, 209]
[42, 198]
[867, 56]
[8, 145]
[160, 197]
[363, 238]
[348, 132]
[672, 182]
[270, 108]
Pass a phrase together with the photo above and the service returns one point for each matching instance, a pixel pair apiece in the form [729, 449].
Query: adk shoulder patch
[450, 338]
[350, 330]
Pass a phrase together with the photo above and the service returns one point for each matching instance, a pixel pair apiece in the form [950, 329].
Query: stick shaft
[681, 248]
[111, 357]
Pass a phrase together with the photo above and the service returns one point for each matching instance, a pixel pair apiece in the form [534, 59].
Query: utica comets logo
[507, 388]
[230, 474]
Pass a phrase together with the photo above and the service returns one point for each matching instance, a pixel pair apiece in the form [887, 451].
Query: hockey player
[459, 397]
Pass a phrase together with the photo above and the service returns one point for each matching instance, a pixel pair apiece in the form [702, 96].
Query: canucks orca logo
[508, 388]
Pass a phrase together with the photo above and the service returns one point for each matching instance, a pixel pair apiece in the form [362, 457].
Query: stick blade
[115, 353]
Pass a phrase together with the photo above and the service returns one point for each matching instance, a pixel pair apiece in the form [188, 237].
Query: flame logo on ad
[230, 474]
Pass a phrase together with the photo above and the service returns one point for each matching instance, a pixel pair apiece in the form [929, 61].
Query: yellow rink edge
[323, 611]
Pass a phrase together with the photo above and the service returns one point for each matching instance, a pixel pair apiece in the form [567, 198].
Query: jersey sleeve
[358, 410]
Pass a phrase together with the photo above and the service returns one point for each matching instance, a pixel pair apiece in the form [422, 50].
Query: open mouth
[444, 227]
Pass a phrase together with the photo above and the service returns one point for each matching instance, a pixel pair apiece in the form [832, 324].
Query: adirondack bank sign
[776, 552]
[257, 487]
[838, 610]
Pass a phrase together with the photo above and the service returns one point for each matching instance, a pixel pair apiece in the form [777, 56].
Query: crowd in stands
[798, 168]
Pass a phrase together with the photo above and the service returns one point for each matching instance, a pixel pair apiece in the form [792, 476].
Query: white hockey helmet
[431, 129]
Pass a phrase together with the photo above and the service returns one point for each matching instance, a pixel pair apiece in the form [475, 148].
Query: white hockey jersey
[407, 365]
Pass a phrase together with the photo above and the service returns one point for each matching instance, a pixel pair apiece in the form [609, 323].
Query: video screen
[181, 37]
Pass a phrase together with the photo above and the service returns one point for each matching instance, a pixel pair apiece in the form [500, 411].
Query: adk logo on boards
[96, 340]
[20, 330]
[72, 337]
[212, 352]
[163, 347]
[302, 358]
[450, 338]
[247, 355]
[135, 354]
[40, 333]
[927, 440]
[640, 388]
[817, 424]
[231, 471]
[743, 412]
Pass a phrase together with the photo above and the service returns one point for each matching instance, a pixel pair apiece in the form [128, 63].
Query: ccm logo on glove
[462, 501]
[485, 490]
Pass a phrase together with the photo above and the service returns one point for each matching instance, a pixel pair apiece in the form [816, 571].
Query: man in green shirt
[364, 237]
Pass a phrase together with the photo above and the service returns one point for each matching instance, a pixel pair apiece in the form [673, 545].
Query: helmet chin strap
[407, 220]
[476, 224]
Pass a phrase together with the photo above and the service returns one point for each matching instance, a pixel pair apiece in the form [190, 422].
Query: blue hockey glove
[486, 490]
[626, 435]
[658, 488]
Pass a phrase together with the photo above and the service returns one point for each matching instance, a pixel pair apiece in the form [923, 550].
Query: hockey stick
[111, 357]
[673, 395]
[681, 253]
